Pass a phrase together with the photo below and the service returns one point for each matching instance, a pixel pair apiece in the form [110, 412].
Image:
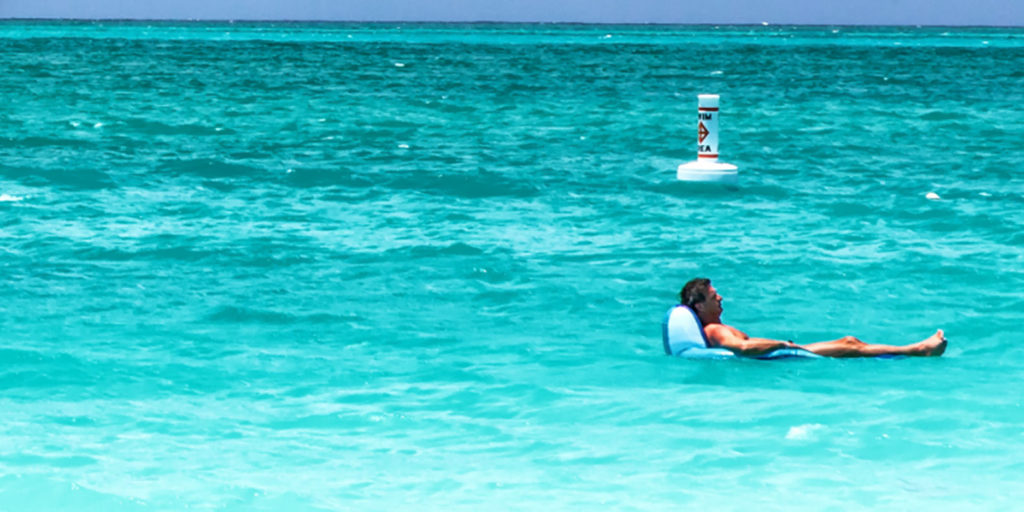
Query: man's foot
[934, 345]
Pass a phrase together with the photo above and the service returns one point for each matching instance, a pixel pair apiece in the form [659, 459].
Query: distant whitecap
[399, 64]
[97, 125]
[4, 198]
[716, 72]
[932, 195]
[403, 146]
[803, 432]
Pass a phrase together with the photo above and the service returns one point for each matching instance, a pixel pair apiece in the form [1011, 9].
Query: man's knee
[852, 341]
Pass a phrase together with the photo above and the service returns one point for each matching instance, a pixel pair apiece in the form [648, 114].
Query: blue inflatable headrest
[681, 330]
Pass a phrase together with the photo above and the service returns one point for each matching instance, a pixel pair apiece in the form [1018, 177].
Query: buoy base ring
[707, 172]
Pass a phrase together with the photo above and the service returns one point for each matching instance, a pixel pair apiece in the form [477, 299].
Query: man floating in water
[705, 301]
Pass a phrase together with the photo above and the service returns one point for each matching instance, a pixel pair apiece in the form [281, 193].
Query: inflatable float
[683, 335]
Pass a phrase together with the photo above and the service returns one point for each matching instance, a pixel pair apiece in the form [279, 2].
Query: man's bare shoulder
[710, 328]
[714, 334]
[717, 331]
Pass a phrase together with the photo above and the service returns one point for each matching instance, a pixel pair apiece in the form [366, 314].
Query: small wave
[4, 198]
[150, 127]
[73, 421]
[236, 314]
[45, 142]
[325, 422]
[473, 185]
[455, 249]
[326, 177]
[83, 179]
[232, 314]
[939, 115]
[180, 252]
[57, 461]
[210, 168]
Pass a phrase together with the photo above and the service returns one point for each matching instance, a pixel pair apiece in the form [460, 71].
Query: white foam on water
[804, 432]
[399, 64]
[933, 196]
[4, 198]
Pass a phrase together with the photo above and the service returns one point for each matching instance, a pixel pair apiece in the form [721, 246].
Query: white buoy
[707, 168]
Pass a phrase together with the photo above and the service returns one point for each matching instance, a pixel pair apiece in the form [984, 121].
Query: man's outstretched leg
[849, 346]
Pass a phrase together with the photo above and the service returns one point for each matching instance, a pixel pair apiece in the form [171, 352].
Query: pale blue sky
[854, 12]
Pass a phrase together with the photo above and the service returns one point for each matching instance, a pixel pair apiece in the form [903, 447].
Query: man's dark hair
[695, 291]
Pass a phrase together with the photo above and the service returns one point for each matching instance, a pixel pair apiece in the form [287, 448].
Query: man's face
[712, 305]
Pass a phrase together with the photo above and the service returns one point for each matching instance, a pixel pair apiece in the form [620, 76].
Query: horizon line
[495, 22]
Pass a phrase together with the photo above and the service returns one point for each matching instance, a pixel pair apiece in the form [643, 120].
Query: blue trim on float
[664, 332]
[789, 353]
[723, 353]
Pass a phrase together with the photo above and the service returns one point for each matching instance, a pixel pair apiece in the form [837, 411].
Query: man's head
[703, 299]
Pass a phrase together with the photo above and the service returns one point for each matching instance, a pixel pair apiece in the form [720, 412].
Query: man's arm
[741, 344]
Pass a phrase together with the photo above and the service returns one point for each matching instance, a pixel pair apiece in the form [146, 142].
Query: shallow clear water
[365, 267]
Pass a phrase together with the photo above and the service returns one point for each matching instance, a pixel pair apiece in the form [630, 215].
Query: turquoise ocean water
[423, 267]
